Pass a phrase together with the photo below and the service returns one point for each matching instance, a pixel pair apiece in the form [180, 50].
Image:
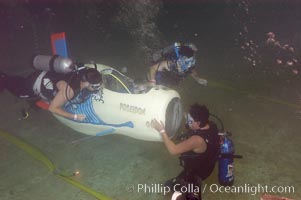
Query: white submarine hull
[119, 109]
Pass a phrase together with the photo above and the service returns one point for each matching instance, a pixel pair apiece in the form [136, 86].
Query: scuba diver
[55, 88]
[173, 63]
[198, 150]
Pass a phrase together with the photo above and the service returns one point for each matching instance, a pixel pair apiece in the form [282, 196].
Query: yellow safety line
[37, 154]
[273, 100]
[29, 149]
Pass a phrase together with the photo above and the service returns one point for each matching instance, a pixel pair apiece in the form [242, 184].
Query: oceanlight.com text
[248, 189]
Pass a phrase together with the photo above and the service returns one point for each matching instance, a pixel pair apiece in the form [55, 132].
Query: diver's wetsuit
[18, 86]
[39, 84]
[198, 166]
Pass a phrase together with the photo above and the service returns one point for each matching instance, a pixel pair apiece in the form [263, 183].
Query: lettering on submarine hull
[132, 109]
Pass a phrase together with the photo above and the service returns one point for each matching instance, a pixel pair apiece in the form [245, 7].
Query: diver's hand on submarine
[79, 117]
[159, 126]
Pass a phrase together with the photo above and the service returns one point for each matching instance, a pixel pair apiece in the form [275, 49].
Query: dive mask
[189, 119]
[184, 63]
[95, 87]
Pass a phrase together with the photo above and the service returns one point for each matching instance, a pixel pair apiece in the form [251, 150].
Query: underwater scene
[247, 51]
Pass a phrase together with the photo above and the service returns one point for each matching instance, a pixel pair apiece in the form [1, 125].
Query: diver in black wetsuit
[55, 88]
[198, 151]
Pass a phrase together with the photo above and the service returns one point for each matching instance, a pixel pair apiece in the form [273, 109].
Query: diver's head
[92, 79]
[187, 50]
[197, 117]
[186, 58]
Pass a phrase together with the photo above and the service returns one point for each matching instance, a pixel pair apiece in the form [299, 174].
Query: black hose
[68, 82]
[219, 120]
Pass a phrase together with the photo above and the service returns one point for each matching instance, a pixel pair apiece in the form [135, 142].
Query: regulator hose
[219, 120]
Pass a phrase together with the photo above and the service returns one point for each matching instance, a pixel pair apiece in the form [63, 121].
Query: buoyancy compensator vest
[56, 68]
[44, 84]
[202, 164]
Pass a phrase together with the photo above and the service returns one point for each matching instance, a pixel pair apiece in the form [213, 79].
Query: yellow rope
[121, 83]
[37, 154]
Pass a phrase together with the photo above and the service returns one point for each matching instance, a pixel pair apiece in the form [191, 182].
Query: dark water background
[109, 32]
[260, 103]
[93, 26]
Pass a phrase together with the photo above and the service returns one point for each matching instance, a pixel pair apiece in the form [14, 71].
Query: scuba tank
[226, 156]
[54, 63]
[226, 160]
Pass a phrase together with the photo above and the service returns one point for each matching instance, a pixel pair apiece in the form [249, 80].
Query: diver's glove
[202, 81]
